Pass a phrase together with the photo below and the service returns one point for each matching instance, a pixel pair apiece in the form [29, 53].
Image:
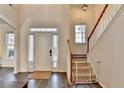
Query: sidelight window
[10, 45]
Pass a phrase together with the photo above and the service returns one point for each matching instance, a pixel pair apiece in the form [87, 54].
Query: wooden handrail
[99, 19]
[71, 61]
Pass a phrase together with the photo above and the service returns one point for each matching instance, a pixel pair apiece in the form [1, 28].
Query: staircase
[81, 70]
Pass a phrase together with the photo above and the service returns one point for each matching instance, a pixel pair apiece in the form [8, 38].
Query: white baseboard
[45, 70]
[68, 79]
[23, 71]
[61, 71]
[16, 72]
[6, 66]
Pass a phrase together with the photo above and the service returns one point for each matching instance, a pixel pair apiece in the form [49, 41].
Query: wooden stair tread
[79, 54]
[80, 68]
[83, 64]
[82, 71]
[79, 63]
[84, 75]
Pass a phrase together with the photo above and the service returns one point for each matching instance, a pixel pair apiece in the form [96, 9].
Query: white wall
[78, 16]
[3, 47]
[9, 14]
[109, 51]
[43, 16]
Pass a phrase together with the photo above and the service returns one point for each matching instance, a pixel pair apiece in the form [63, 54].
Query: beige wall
[98, 8]
[43, 16]
[9, 14]
[64, 17]
[88, 17]
[78, 16]
[109, 51]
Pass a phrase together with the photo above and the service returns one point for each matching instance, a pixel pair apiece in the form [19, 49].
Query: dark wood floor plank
[13, 84]
[57, 80]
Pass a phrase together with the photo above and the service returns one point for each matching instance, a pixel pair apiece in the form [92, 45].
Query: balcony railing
[106, 18]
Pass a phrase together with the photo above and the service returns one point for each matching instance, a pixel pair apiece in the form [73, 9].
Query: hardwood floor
[94, 85]
[6, 74]
[57, 80]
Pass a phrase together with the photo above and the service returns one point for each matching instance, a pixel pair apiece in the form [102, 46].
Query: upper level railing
[108, 14]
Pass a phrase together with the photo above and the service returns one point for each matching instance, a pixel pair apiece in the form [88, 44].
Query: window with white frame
[10, 45]
[31, 51]
[80, 33]
[55, 50]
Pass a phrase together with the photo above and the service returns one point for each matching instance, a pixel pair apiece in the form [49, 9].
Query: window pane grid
[10, 45]
[80, 35]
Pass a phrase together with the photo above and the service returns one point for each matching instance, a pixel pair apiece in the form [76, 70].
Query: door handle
[50, 52]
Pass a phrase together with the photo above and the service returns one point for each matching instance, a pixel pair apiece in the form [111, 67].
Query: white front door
[43, 45]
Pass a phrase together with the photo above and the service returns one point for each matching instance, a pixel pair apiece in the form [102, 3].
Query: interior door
[43, 55]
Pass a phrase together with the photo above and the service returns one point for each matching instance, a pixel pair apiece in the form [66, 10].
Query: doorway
[8, 53]
[43, 51]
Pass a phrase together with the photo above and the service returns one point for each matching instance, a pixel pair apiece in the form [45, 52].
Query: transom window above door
[43, 29]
